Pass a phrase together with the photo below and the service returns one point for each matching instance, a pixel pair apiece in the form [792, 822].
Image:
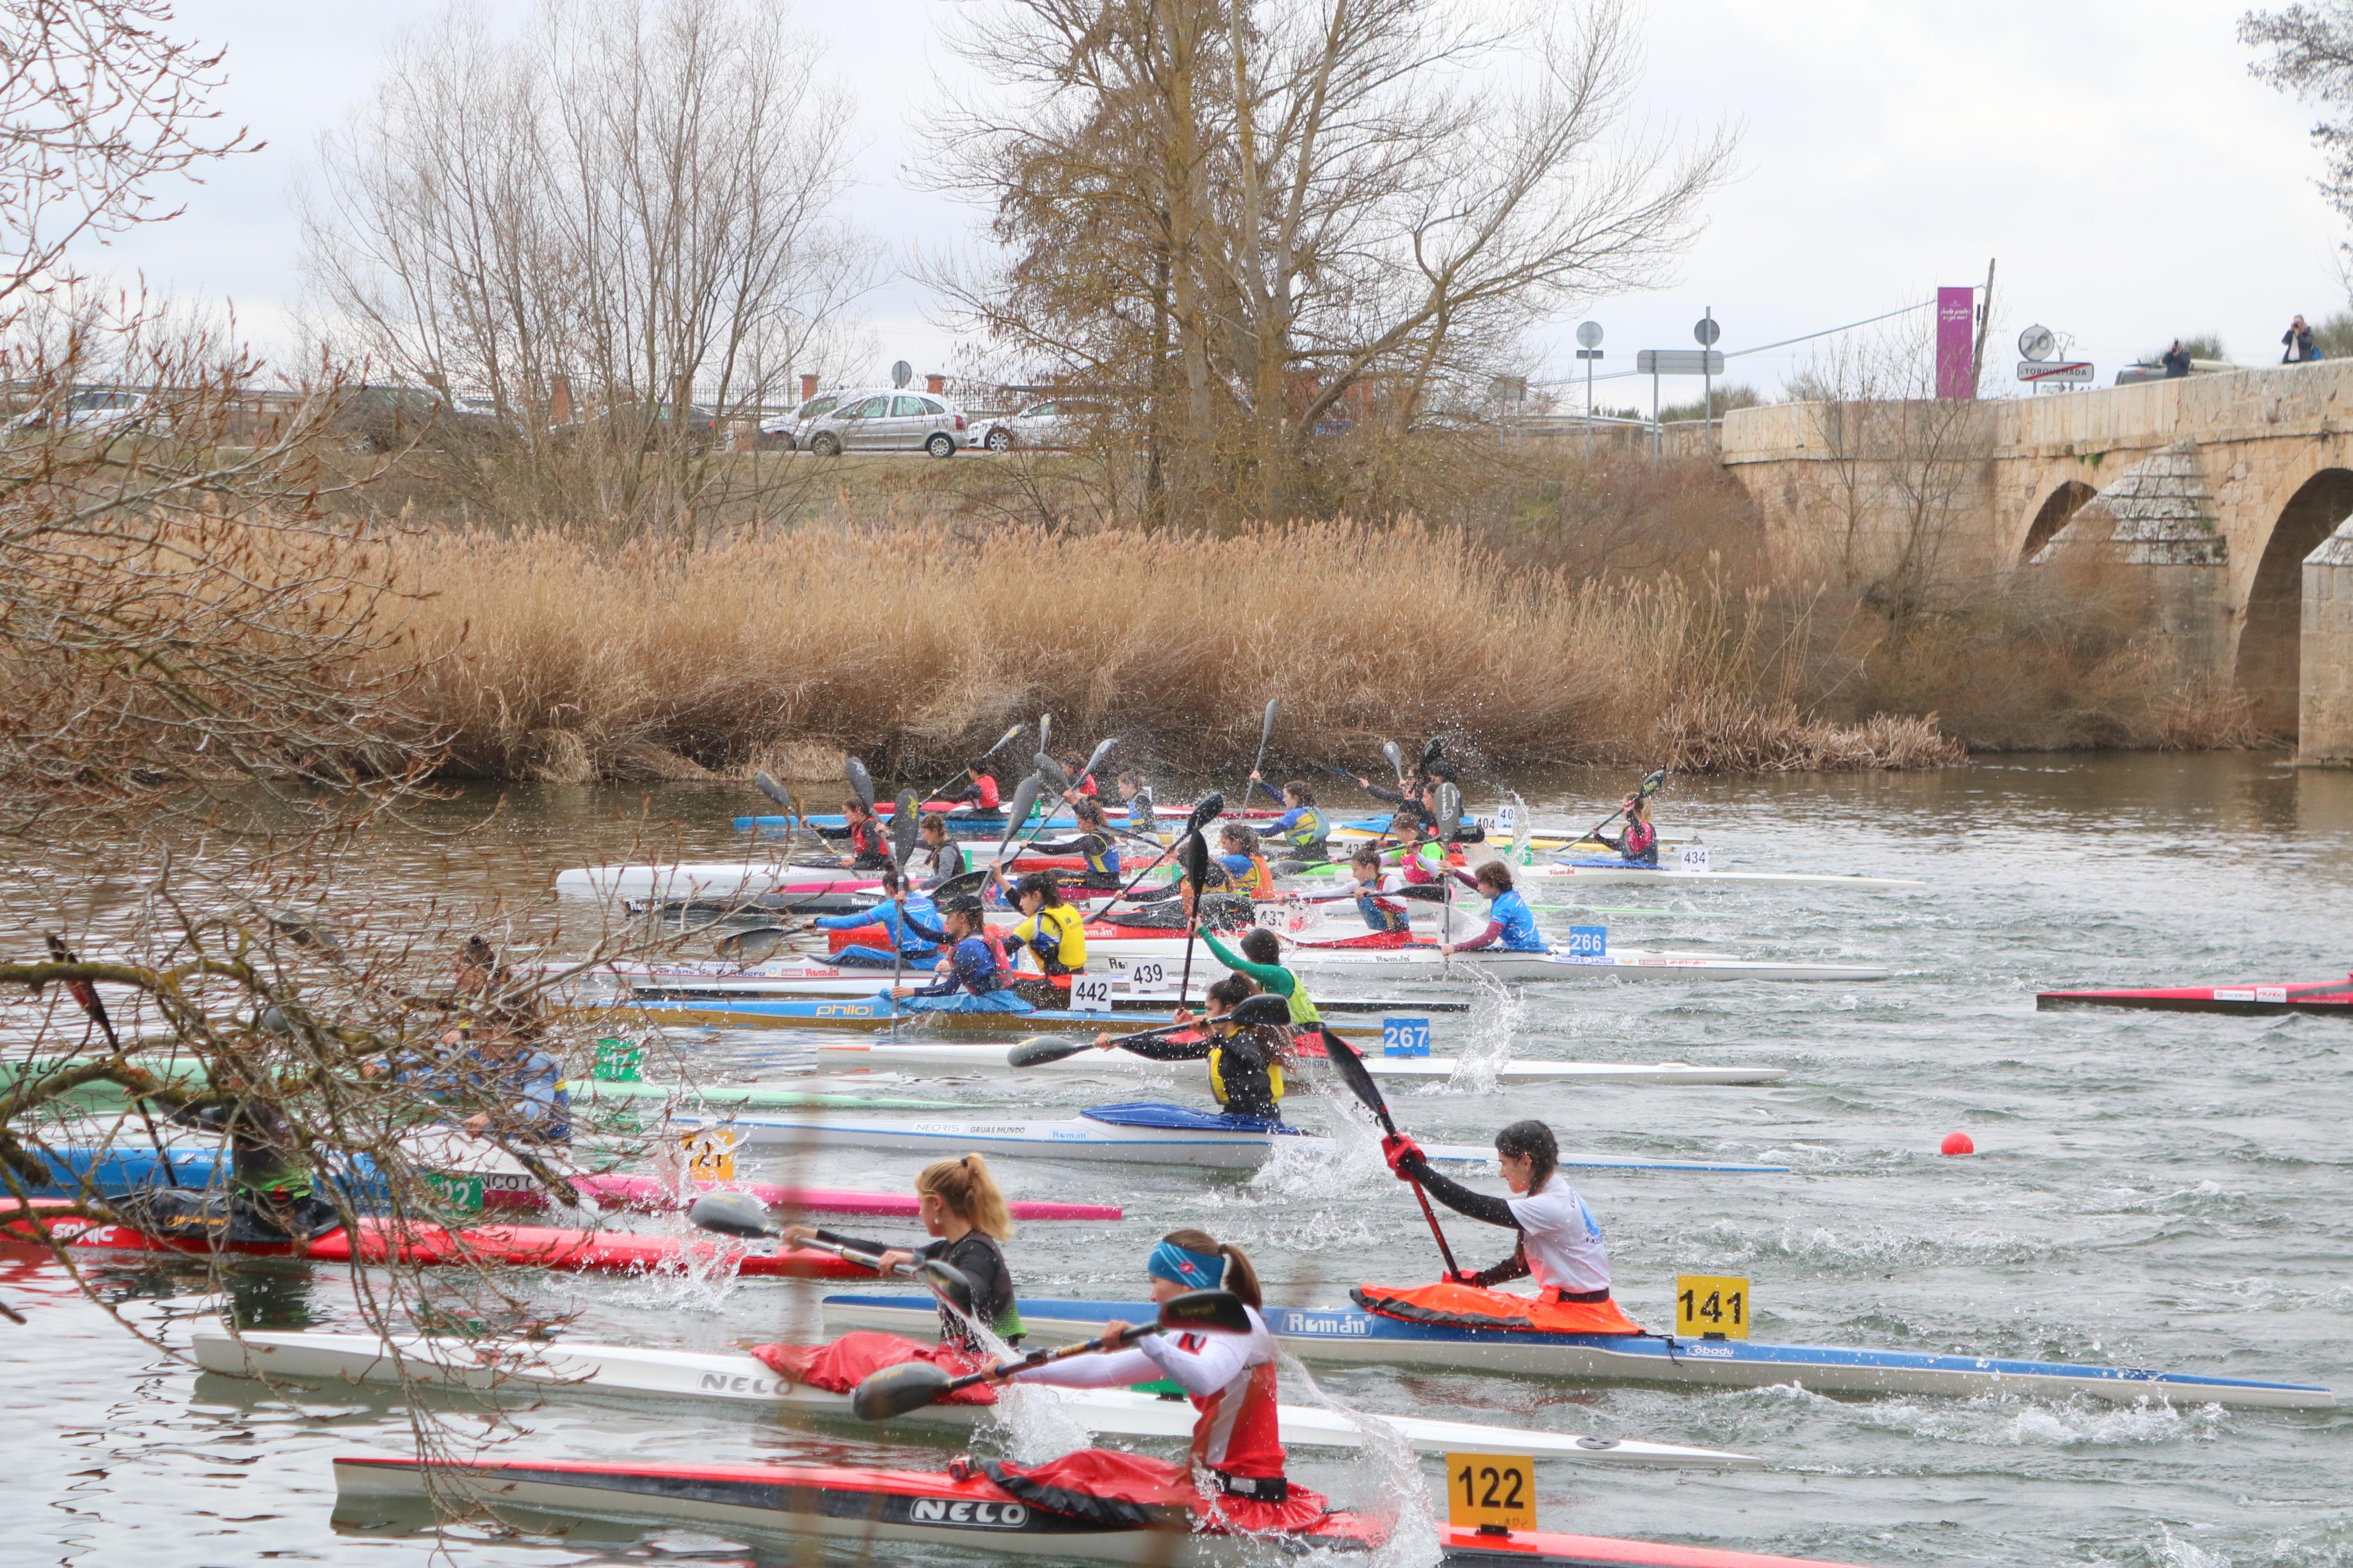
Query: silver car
[887, 421]
[1058, 424]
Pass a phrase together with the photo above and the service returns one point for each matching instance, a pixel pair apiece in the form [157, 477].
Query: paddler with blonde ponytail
[963, 1209]
[1230, 1378]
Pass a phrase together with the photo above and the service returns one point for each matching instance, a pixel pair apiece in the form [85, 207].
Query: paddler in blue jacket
[971, 980]
[1511, 924]
[1300, 827]
[910, 922]
[1376, 889]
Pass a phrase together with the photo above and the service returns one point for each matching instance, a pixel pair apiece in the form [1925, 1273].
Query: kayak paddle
[1194, 853]
[1450, 818]
[1397, 760]
[741, 1214]
[86, 997]
[1353, 1072]
[756, 946]
[970, 768]
[903, 829]
[1039, 1049]
[913, 1385]
[861, 783]
[1205, 811]
[1265, 733]
[1644, 791]
[784, 797]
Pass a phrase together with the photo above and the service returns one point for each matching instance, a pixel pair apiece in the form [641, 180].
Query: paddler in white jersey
[1561, 1244]
[1230, 1378]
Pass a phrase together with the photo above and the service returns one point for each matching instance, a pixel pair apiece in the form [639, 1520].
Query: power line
[1761, 348]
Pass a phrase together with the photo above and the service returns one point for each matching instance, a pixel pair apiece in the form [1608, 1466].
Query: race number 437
[1091, 993]
[1495, 1491]
[1715, 1304]
[710, 1154]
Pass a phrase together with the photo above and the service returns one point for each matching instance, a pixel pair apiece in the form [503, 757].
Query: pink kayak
[2288, 996]
[648, 1195]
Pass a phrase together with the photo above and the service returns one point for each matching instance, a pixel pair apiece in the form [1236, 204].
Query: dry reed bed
[563, 662]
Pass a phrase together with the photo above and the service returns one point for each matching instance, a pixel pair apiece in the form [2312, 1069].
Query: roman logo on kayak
[961, 1510]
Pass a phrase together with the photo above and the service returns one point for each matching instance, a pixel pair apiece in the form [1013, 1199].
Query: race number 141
[1713, 1305]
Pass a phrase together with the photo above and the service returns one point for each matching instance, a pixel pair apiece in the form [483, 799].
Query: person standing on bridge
[2176, 360]
[2298, 340]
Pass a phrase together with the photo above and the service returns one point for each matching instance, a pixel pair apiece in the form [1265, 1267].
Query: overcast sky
[2132, 179]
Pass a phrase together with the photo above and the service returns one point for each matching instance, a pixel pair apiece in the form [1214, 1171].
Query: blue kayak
[1346, 1334]
[124, 1168]
[862, 1012]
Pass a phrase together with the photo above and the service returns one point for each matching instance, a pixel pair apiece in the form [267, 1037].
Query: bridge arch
[2270, 633]
[2057, 508]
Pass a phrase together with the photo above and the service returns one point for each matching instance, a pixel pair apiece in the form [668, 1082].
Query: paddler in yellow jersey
[1243, 1040]
[1052, 934]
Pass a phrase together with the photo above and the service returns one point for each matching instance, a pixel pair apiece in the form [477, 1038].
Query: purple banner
[1956, 313]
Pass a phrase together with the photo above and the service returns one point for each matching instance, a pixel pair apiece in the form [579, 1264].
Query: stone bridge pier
[2235, 491]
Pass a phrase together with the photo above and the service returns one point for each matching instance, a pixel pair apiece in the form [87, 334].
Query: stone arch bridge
[2236, 490]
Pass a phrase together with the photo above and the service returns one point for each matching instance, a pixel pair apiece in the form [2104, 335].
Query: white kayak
[1554, 872]
[1143, 1132]
[1388, 965]
[733, 1378]
[950, 1056]
[1140, 988]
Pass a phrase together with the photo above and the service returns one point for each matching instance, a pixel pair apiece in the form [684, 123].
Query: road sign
[1589, 335]
[1679, 362]
[2042, 371]
[901, 374]
[2037, 343]
[1591, 353]
[1707, 330]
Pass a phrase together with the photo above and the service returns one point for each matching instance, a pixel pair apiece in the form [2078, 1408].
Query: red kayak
[644, 1194]
[432, 1246]
[2293, 996]
[1092, 1505]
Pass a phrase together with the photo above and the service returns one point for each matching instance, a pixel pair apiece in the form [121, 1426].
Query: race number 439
[1091, 993]
[1715, 1304]
[1497, 1491]
[710, 1154]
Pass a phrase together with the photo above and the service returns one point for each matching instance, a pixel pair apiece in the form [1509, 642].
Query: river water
[2161, 1190]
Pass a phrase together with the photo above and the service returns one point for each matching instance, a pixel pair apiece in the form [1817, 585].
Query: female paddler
[1300, 827]
[1638, 845]
[1052, 932]
[963, 1211]
[1245, 1060]
[1376, 889]
[1261, 960]
[1094, 844]
[1559, 1241]
[906, 921]
[1511, 924]
[974, 977]
[1230, 1378]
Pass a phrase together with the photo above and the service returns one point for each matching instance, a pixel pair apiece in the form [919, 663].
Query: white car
[789, 431]
[93, 412]
[1042, 425]
[885, 419]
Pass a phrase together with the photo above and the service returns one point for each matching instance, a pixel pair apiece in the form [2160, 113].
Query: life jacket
[1382, 913]
[1103, 859]
[1640, 844]
[1453, 1306]
[1064, 932]
[1257, 882]
[1244, 1086]
[1309, 831]
[1239, 1429]
[986, 784]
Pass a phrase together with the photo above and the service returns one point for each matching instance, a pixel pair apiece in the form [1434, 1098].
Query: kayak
[724, 880]
[874, 1015]
[1401, 955]
[2334, 996]
[995, 820]
[649, 1194]
[734, 1378]
[1143, 987]
[956, 1057]
[1347, 1334]
[962, 1509]
[763, 1096]
[1144, 1131]
[433, 1246]
[1600, 869]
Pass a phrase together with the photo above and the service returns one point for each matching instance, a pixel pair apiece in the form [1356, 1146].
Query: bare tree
[1271, 219]
[2308, 51]
[628, 213]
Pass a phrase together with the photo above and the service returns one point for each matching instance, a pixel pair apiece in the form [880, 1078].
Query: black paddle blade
[895, 1390]
[1263, 1009]
[772, 789]
[1450, 810]
[1430, 754]
[1095, 760]
[1039, 1049]
[1051, 772]
[968, 882]
[948, 1282]
[861, 783]
[1193, 856]
[902, 826]
[1003, 741]
[1206, 810]
[1652, 784]
[750, 947]
[1216, 1311]
[1357, 1077]
[731, 1213]
[1024, 795]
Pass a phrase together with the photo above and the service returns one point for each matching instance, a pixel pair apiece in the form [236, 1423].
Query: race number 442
[1091, 993]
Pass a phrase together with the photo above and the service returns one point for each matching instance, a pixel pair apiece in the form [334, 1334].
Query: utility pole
[1985, 320]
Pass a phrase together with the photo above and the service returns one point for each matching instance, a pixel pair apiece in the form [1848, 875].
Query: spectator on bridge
[2176, 360]
[2298, 338]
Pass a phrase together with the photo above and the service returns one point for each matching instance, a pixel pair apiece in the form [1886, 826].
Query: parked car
[896, 420]
[790, 431]
[1047, 426]
[2133, 374]
[94, 411]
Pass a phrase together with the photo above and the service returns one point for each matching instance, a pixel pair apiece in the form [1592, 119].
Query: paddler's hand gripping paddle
[1644, 791]
[1351, 1068]
[741, 1214]
[1039, 1049]
[911, 1385]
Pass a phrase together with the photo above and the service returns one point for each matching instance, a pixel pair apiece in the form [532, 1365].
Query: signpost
[1588, 339]
[1706, 332]
[2039, 373]
[1656, 363]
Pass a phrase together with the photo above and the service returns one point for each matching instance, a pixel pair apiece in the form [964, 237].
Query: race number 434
[1710, 1304]
[1496, 1491]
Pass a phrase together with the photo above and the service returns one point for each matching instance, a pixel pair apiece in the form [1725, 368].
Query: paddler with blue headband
[1230, 1378]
